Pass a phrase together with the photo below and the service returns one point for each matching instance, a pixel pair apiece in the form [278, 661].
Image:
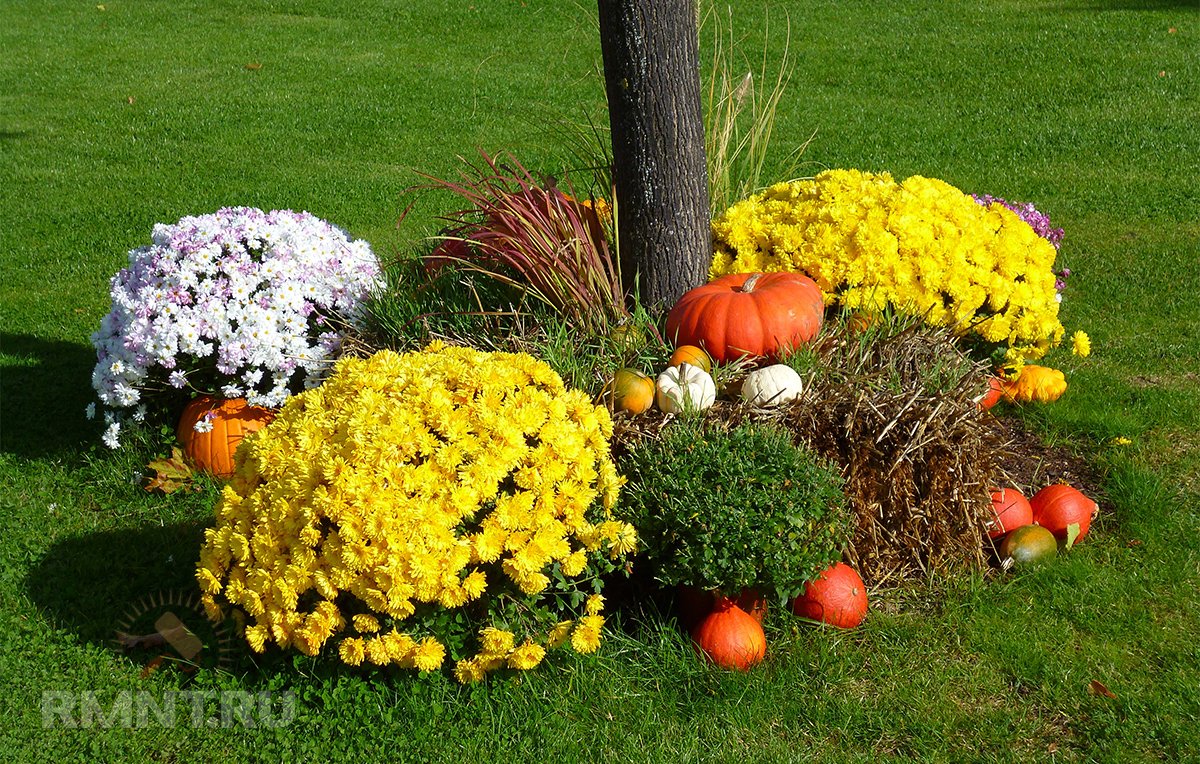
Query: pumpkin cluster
[753, 318]
[1033, 530]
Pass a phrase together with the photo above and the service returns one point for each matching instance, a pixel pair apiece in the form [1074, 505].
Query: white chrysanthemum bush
[240, 303]
[421, 509]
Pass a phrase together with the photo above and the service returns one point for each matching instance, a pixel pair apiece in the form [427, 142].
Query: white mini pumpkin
[685, 388]
[772, 386]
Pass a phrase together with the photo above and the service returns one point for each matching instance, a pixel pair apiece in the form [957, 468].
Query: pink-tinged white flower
[248, 296]
[111, 435]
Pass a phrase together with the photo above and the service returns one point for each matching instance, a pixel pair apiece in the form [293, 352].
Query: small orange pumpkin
[629, 390]
[836, 597]
[1057, 507]
[1010, 510]
[993, 395]
[1036, 384]
[231, 420]
[748, 314]
[730, 637]
[693, 355]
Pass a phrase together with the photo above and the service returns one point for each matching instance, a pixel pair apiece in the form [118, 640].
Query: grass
[113, 119]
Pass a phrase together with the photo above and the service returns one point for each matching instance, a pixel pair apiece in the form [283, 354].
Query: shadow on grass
[43, 394]
[93, 584]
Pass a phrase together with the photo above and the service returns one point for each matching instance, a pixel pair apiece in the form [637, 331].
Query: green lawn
[118, 115]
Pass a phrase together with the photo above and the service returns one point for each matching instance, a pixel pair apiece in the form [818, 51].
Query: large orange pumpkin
[837, 597]
[730, 636]
[1057, 507]
[748, 314]
[231, 420]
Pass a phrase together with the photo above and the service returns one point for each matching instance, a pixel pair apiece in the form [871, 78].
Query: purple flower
[1038, 221]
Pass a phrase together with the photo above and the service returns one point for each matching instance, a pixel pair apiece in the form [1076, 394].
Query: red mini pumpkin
[837, 597]
[231, 420]
[1057, 507]
[730, 636]
[748, 314]
[1011, 510]
[993, 395]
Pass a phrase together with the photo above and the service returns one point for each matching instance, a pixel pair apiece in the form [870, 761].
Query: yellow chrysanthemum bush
[448, 505]
[920, 246]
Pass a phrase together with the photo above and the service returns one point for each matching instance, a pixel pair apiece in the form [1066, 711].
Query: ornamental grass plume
[739, 112]
[920, 246]
[240, 303]
[534, 236]
[449, 504]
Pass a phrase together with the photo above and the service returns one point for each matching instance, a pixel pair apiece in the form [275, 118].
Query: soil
[1032, 464]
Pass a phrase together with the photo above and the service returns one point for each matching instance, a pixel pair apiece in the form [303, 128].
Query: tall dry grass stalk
[739, 113]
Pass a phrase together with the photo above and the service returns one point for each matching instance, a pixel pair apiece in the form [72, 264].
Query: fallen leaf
[101, 8]
[254, 67]
[1072, 535]
[1172, 30]
[1098, 688]
[1133, 543]
[1052, 748]
[1162, 73]
[130, 100]
[172, 473]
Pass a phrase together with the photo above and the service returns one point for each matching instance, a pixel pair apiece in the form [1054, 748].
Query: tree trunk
[652, 78]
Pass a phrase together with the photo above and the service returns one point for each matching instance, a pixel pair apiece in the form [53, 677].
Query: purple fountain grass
[537, 238]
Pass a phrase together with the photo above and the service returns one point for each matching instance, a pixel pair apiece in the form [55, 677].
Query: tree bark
[652, 78]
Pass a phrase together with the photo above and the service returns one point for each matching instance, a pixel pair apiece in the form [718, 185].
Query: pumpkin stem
[721, 603]
[750, 283]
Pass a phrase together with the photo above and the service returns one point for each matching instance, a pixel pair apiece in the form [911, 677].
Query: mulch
[1033, 464]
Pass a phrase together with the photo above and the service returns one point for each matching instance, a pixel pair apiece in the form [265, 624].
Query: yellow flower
[403, 485]
[428, 655]
[921, 246]
[594, 604]
[1081, 344]
[475, 584]
[351, 651]
[586, 637]
[1121, 440]
[468, 671]
[559, 634]
[256, 636]
[525, 657]
[496, 640]
[365, 624]
[574, 563]
[376, 651]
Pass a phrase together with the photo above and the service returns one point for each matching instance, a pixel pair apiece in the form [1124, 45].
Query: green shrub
[732, 508]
